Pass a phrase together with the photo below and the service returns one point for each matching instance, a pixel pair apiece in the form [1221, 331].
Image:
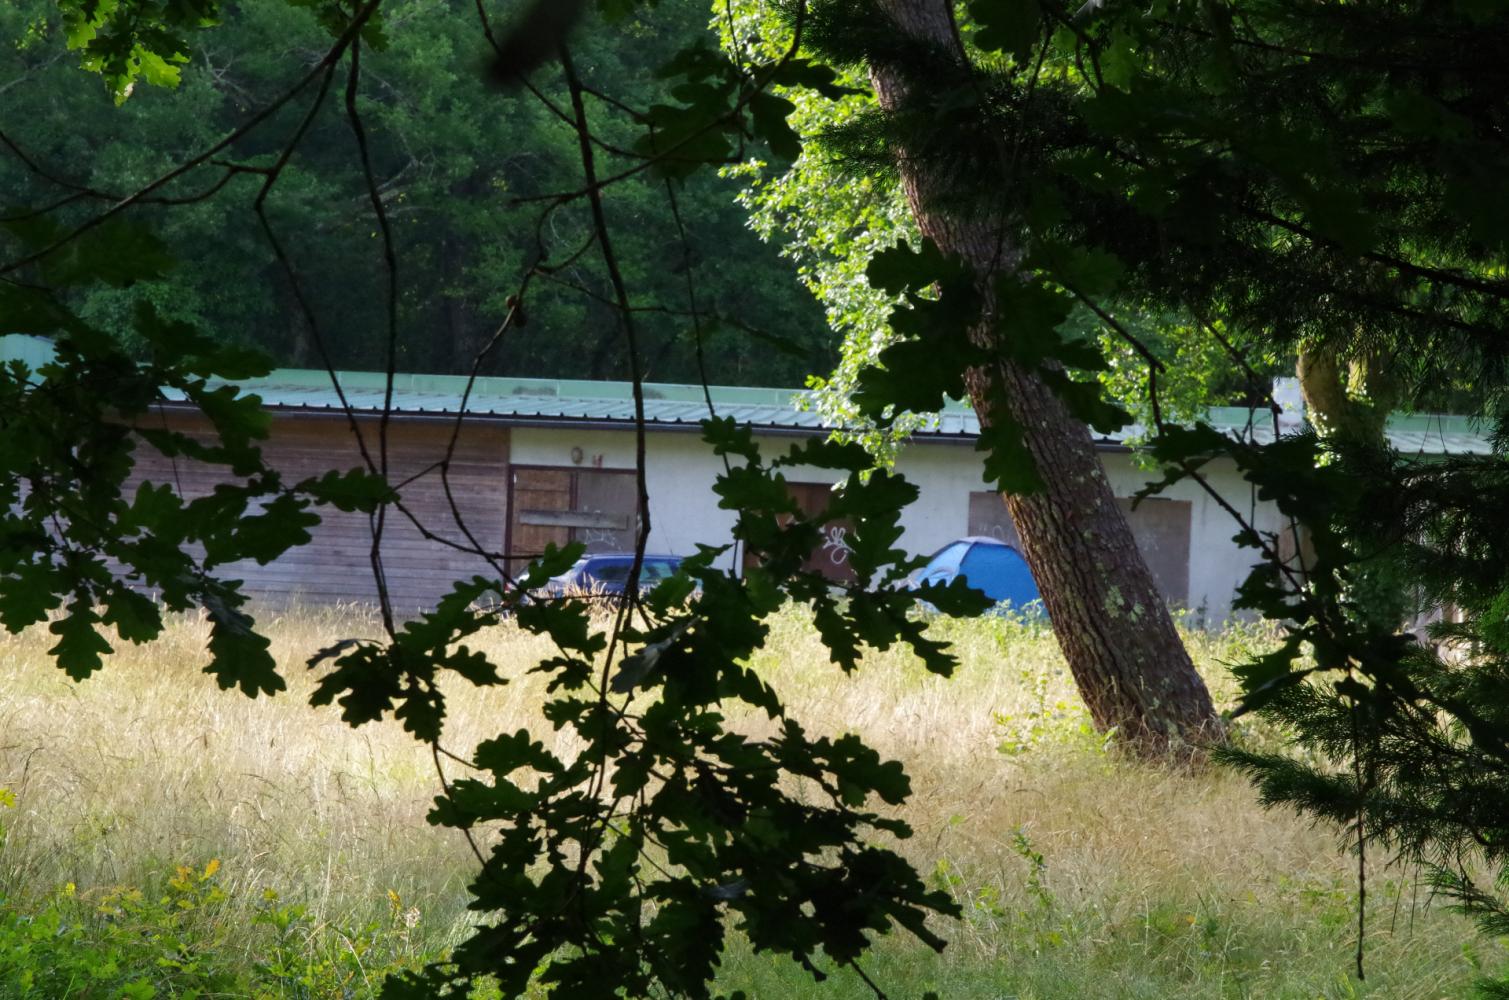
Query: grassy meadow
[161, 836]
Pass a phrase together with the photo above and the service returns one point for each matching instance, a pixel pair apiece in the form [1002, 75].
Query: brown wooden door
[831, 558]
[557, 506]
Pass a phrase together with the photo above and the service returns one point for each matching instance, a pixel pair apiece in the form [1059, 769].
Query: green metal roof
[32, 351]
[579, 401]
[526, 401]
[531, 401]
[313, 387]
[1408, 433]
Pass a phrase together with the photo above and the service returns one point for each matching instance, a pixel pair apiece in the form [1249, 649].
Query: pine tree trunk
[465, 337]
[1111, 623]
[462, 337]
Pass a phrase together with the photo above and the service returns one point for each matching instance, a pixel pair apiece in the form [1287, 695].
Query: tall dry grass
[1079, 873]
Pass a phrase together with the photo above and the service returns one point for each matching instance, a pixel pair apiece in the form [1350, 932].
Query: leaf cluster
[621, 868]
[81, 533]
[1407, 731]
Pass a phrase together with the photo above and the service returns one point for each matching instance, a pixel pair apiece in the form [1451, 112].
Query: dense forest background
[463, 168]
[457, 163]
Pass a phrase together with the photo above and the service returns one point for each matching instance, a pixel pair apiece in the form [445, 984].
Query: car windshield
[617, 571]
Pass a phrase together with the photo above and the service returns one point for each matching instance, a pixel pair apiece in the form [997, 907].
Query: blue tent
[986, 564]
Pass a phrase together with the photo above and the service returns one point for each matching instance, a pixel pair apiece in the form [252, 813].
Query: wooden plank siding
[335, 567]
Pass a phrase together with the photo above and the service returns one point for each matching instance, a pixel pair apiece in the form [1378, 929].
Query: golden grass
[1152, 883]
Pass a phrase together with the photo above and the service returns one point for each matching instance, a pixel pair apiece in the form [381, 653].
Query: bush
[125, 943]
[188, 939]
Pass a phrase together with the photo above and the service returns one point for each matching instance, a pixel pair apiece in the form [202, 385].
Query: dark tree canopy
[453, 160]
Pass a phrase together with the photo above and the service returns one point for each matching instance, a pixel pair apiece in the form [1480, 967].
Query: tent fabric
[990, 566]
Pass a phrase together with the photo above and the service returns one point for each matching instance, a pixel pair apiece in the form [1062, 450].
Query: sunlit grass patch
[1080, 873]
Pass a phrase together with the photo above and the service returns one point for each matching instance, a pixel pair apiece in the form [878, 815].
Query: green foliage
[1037, 867]
[1301, 173]
[1268, 176]
[1291, 176]
[131, 39]
[458, 161]
[185, 938]
[72, 536]
[1406, 736]
[1058, 723]
[370, 679]
[723, 106]
[66, 458]
[125, 943]
[693, 830]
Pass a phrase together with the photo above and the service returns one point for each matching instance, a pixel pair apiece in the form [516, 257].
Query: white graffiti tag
[599, 539]
[837, 544]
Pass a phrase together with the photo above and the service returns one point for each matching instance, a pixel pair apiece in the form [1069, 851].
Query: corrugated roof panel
[682, 406]
[1409, 442]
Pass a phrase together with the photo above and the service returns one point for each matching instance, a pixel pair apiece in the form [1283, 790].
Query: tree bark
[1346, 398]
[465, 338]
[1110, 621]
[302, 352]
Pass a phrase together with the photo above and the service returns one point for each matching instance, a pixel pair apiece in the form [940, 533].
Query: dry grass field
[1081, 875]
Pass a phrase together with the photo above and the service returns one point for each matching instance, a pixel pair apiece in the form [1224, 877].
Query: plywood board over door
[988, 517]
[1160, 527]
[831, 558]
[556, 506]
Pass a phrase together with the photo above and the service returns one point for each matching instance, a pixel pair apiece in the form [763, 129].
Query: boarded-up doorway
[596, 507]
[831, 558]
[1160, 527]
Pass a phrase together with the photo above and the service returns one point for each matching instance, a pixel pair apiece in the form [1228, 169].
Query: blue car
[607, 572]
[988, 565]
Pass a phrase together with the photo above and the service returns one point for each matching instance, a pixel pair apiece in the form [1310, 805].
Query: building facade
[535, 461]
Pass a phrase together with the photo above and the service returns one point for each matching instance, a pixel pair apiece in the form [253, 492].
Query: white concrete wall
[1217, 564]
[684, 511]
[947, 473]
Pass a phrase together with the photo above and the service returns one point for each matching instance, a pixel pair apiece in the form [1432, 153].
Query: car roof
[629, 556]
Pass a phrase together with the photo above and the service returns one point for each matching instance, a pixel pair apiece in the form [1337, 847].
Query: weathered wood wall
[335, 567]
